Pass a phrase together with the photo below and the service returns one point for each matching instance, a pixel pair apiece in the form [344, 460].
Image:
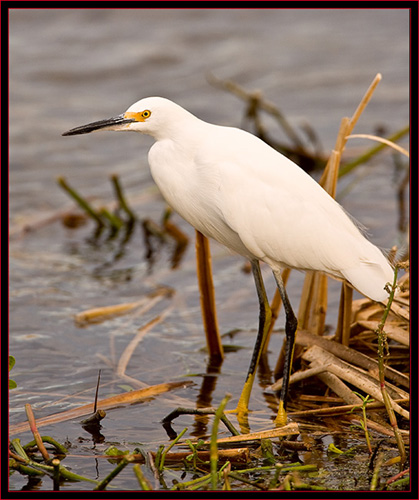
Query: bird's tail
[371, 276]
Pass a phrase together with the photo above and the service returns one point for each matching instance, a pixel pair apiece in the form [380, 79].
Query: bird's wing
[277, 213]
[281, 214]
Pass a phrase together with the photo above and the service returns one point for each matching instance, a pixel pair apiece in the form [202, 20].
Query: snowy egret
[233, 187]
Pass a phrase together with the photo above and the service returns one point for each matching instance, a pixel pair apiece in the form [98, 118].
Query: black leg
[265, 315]
[290, 329]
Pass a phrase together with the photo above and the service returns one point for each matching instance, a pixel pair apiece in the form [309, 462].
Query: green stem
[213, 444]
[382, 345]
[121, 198]
[243, 480]
[145, 485]
[62, 450]
[115, 222]
[81, 201]
[164, 453]
[65, 474]
[121, 465]
[25, 470]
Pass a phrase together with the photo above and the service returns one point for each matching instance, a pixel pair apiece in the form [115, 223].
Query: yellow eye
[138, 117]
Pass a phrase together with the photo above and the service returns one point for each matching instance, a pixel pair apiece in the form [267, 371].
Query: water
[72, 66]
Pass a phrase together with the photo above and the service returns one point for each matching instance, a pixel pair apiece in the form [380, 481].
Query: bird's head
[155, 116]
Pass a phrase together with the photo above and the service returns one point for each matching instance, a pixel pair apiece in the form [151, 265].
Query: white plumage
[233, 187]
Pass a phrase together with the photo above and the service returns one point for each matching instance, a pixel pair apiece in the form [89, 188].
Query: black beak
[102, 124]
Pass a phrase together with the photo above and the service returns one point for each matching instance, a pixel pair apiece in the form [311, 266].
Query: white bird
[233, 187]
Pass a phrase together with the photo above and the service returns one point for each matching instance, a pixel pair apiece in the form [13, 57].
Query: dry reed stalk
[347, 125]
[356, 377]
[343, 326]
[313, 303]
[393, 331]
[371, 425]
[364, 101]
[104, 404]
[100, 314]
[129, 350]
[352, 356]
[207, 297]
[382, 140]
[339, 410]
[336, 385]
[287, 430]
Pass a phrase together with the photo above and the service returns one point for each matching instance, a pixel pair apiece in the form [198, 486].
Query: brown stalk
[345, 315]
[206, 290]
[287, 430]
[104, 404]
[338, 410]
[129, 350]
[35, 432]
[313, 303]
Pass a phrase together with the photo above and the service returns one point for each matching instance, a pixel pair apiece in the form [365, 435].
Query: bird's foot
[281, 417]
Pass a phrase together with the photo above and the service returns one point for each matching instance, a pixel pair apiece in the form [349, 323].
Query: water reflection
[94, 430]
[205, 396]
